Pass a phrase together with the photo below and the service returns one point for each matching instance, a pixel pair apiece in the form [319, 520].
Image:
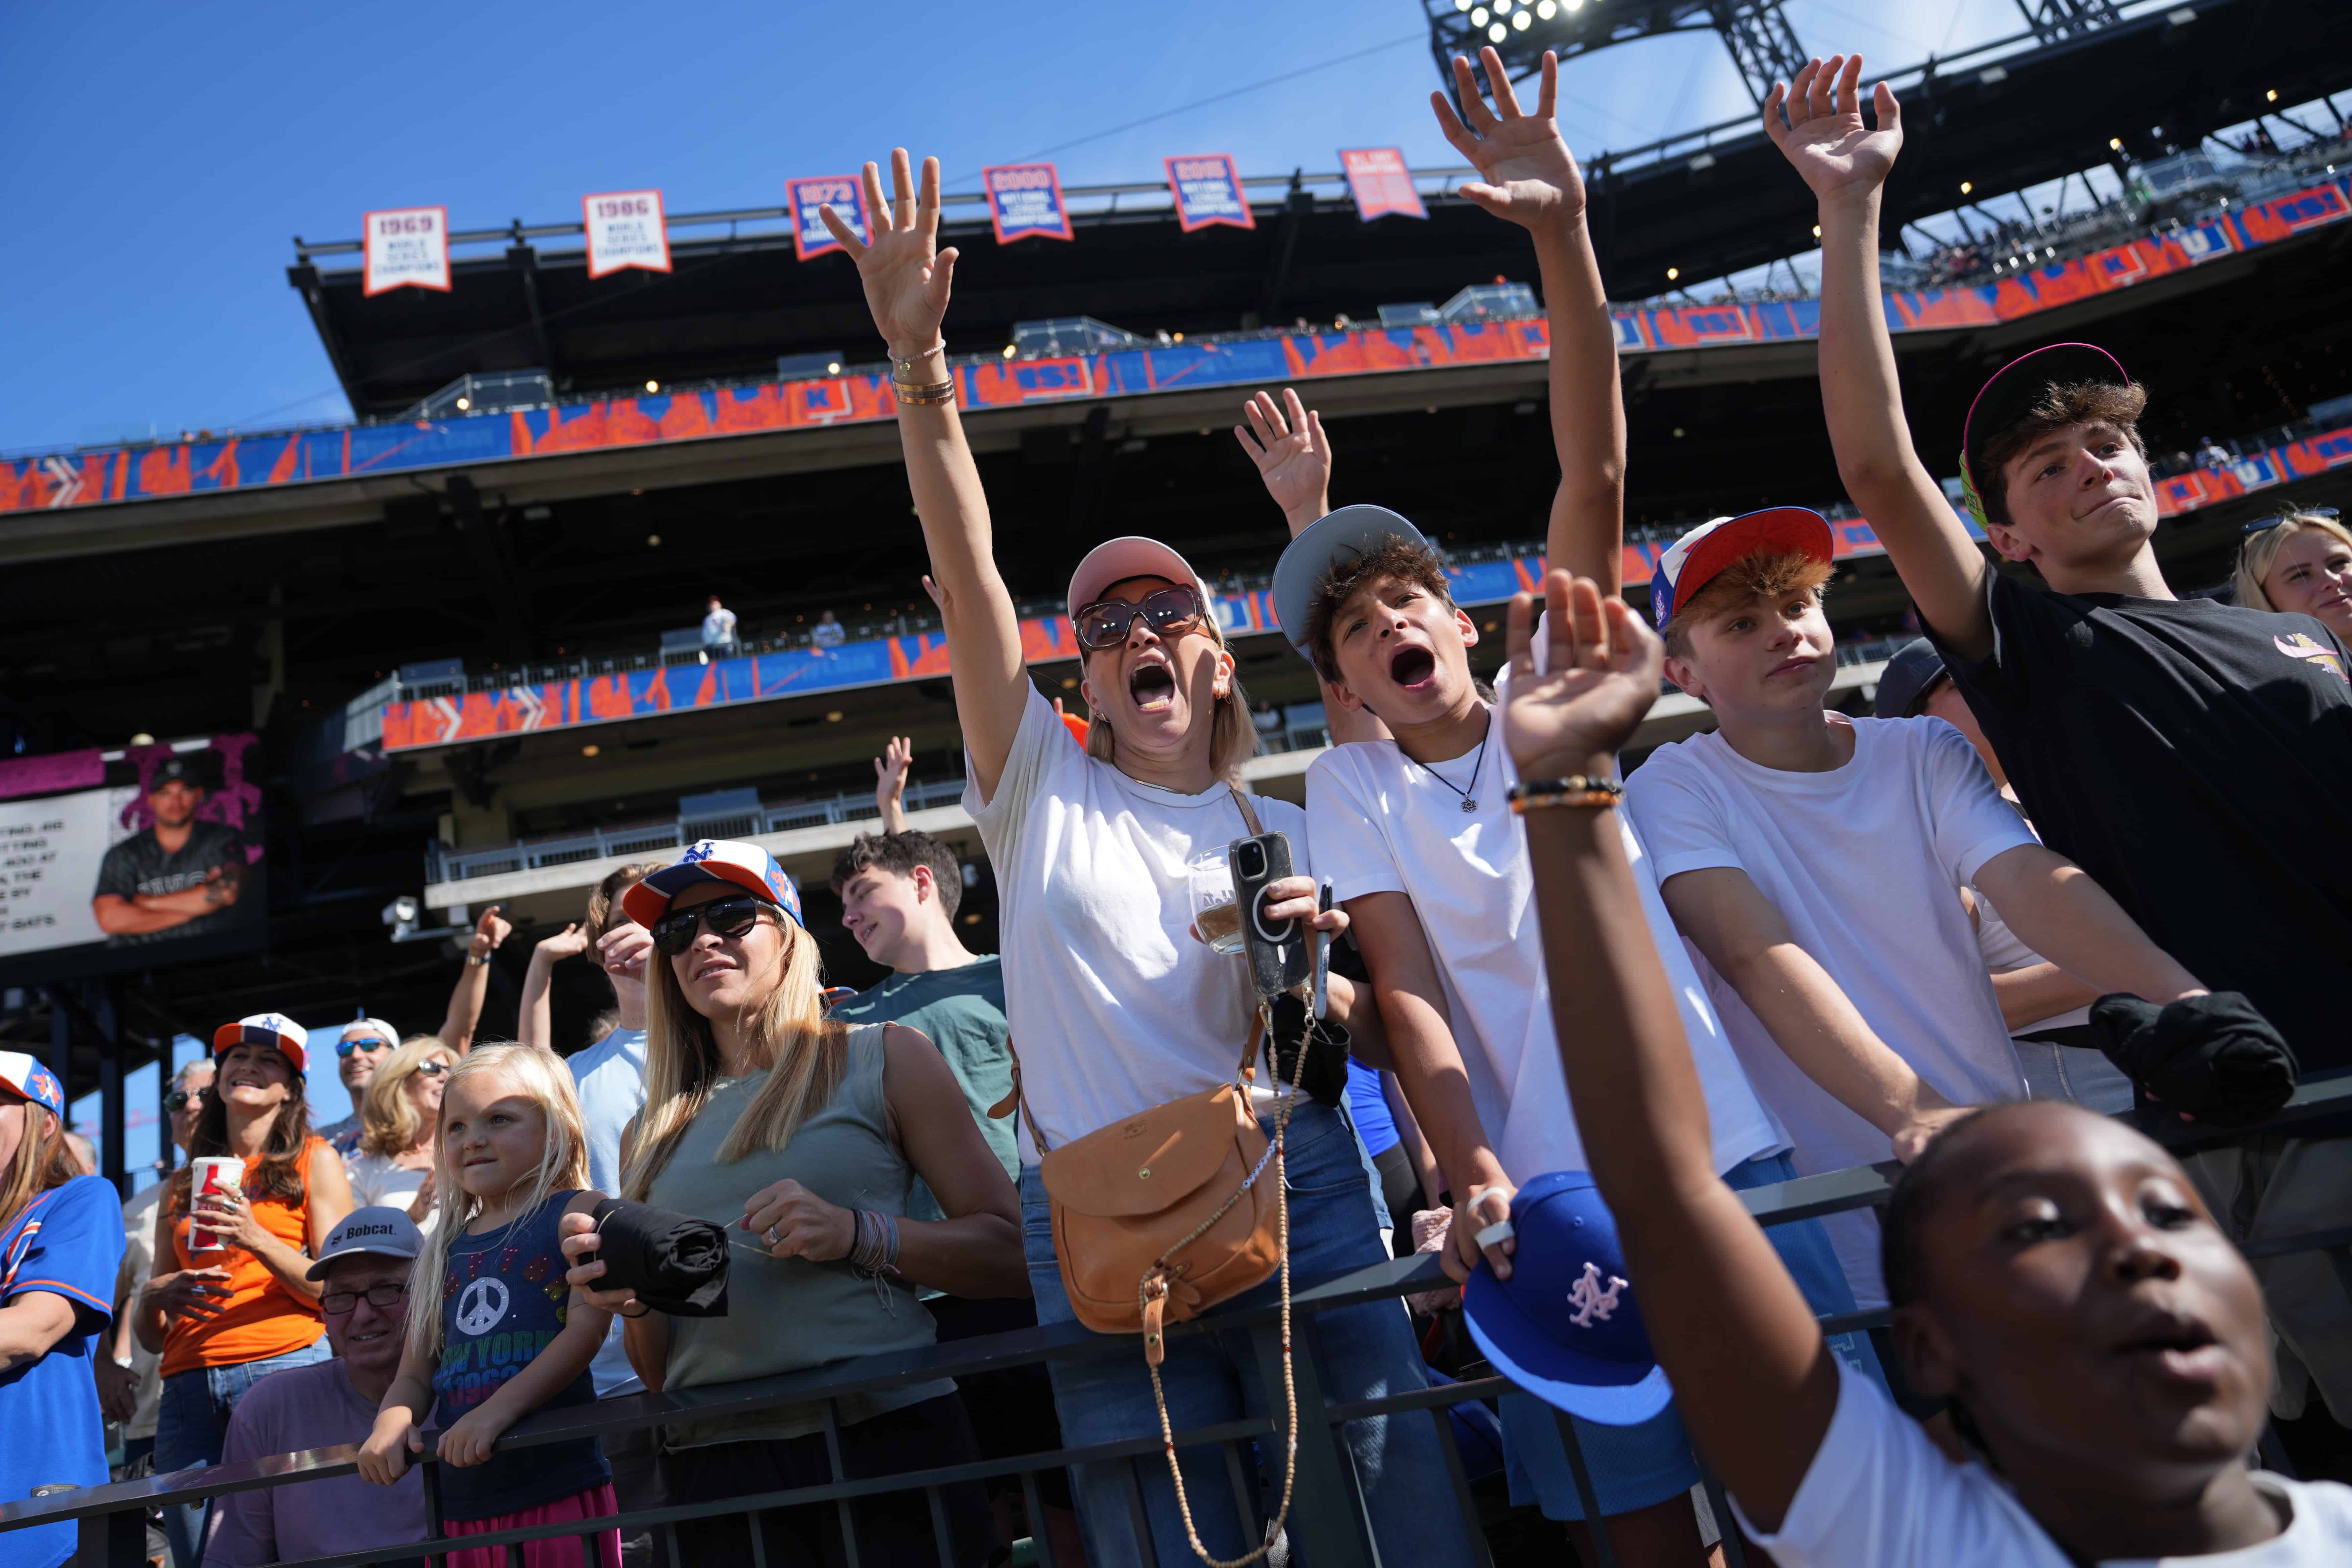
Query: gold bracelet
[1575, 789]
[937, 392]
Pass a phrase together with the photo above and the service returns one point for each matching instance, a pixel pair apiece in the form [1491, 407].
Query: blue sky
[161, 158]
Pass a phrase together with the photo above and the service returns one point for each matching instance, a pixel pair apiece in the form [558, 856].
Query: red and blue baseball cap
[2013, 390]
[1692, 562]
[1565, 1326]
[27, 1077]
[276, 1030]
[747, 865]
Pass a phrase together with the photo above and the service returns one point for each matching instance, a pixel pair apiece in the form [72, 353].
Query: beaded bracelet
[1575, 789]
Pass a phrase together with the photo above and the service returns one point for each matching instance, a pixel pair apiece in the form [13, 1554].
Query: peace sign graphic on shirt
[481, 1306]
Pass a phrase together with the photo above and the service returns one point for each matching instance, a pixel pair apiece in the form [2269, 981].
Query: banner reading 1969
[1025, 202]
[846, 194]
[1208, 191]
[408, 248]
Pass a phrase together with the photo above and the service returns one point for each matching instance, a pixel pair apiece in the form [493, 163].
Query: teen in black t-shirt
[2179, 751]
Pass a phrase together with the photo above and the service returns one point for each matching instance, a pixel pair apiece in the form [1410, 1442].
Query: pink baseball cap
[1132, 555]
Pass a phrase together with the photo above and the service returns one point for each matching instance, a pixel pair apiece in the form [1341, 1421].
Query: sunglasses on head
[179, 1099]
[371, 1044]
[2265, 524]
[727, 918]
[1105, 623]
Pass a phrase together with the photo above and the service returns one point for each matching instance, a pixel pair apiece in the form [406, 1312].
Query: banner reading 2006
[1025, 202]
[1208, 191]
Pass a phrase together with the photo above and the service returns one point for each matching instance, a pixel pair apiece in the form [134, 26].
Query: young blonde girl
[494, 1333]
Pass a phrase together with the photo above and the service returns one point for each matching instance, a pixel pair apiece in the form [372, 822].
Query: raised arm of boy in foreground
[1846, 166]
[907, 279]
[1530, 177]
[1752, 1377]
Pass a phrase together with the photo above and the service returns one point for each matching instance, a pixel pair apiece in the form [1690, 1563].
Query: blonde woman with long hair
[494, 1333]
[399, 1111]
[2300, 563]
[803, 1136]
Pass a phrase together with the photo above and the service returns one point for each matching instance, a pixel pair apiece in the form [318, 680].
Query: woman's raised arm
[907, 278]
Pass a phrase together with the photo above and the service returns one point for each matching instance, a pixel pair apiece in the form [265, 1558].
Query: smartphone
[1279, 955]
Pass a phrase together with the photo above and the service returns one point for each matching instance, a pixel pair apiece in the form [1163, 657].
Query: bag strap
[1016, 1100]
[1249, 814]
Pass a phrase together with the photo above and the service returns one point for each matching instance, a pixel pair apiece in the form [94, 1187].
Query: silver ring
[771, 1237]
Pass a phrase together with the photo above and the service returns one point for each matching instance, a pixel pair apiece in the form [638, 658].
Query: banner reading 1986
[844, 192]
[1208, 191]
[625, 228]
[1025, 202]
[1381, 182]
[408, 248]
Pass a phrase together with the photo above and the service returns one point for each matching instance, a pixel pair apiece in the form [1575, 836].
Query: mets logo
[2300, 646]
[1590, 1300]
[41, 1084]
[703, 851]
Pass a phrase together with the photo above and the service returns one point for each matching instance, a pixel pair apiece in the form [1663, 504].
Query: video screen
[162, 862]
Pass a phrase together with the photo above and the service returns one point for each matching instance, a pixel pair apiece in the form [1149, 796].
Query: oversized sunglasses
[727, 918]
[1104, 623]
[371, 1044]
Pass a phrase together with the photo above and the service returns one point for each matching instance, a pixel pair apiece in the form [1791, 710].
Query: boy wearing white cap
[1817, 863]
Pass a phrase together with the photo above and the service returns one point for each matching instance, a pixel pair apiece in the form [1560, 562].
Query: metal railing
[1329, 1517]
[446, 865]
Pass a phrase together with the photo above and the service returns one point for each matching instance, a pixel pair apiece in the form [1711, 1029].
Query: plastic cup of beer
[1215, 912]
[213, 1174]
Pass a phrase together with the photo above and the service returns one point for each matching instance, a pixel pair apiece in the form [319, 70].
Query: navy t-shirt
[503, 1300]
[68, 1241]
[2193, 758]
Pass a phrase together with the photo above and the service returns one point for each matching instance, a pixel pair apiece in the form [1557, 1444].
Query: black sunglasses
[179, 1099]
[729, 917]
[391, 1293]
[1104, 623]
[2265, 524]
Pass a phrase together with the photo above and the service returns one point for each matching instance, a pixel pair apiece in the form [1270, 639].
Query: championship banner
[1381, 182]
[153, 858]
[407, 246]
[846, 194]
[625, 228]
[1025, 202]
[1208, 191]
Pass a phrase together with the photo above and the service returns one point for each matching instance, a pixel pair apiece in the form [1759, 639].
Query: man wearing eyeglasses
[364, 1267]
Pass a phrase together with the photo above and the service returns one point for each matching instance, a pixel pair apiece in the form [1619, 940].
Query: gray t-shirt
[785, 1314]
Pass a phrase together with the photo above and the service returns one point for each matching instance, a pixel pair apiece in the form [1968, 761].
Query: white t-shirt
[1114, 1005]
[1388, 827]
[376, 1180]
[1880, 1493]
[611, 1078]
[719, 627]
[1866, 863]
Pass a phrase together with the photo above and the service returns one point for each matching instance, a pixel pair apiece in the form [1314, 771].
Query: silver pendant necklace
[1469, 801]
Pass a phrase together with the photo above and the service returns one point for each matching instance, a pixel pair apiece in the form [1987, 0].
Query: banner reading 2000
[153, 858]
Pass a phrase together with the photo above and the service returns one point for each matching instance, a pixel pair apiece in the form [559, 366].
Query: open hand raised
[905, 273]
[1600, 678]
[1292, 455]
[1816, 123]
[1530, 176]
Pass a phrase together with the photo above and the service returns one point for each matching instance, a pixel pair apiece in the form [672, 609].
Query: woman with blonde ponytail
[804, 1137]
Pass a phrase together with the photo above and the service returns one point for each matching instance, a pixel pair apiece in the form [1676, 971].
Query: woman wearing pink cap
[1116, 1006]
[243, 1304]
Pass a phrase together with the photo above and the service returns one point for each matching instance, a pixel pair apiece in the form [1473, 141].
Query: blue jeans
[1364, 1352]
[192, 1427]
[1641, 1467]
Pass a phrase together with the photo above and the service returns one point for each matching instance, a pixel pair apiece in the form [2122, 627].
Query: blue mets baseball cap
[1692, 562]
[714, 860]
[24, 1073]
[1565, 1326]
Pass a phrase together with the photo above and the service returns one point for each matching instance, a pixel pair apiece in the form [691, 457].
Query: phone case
[1279, 956]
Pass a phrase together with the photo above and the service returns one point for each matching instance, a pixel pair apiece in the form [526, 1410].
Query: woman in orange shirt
[228, 1315]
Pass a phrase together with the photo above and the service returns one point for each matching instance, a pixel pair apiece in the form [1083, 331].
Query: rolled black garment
[675, 1262]
[2213, 1056]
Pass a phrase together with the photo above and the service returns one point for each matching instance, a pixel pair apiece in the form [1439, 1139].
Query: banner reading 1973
[844, 192]
[1025, 202]
[1208, 191]
[625, 228]
[1381, 182]
[408, 248]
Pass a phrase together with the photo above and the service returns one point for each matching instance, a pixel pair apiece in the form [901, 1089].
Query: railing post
[1322, 1525]
[116, 1540]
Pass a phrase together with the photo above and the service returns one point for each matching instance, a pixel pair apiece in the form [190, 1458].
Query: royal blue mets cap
[1566, 1326]
[1334, 540]
[1692, 562]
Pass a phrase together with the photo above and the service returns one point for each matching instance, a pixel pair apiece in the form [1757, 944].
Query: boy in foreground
[2183, 752]
[1820, 865]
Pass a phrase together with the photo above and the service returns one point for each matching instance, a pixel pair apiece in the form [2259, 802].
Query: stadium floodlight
[1673, 273]
[464, 404]
[652, 386]
[1763, 46]
[1966, 186]
[1495, 33]
[2114, 143]
[1478, 16]
[1523, 20]
[1546, 9]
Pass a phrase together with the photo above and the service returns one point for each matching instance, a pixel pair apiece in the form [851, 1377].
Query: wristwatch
[480, 958]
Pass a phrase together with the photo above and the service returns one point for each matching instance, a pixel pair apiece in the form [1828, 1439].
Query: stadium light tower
[1761, 42]
[2054, 19]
